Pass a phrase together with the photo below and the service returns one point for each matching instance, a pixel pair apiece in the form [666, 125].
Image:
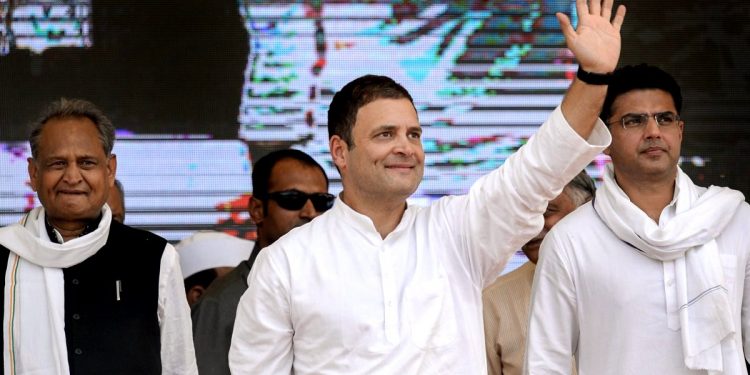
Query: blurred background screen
[200, 89]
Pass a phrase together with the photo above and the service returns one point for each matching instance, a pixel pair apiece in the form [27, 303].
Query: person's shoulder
[232, 284]
[583, 215]
[302, 237]
[744, 211]
[510, 279]
[129, 233]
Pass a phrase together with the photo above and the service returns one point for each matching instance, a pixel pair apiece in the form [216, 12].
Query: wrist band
[593, 78]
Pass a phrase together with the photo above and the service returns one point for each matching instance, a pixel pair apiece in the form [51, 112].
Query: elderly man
[378, 286]
[84, 294]
[652, 277]
[289, 189]
[506, 302]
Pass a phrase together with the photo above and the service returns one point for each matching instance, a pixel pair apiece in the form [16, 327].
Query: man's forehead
[628, 101]
[289, 173]
[387, 107]
[82, 127]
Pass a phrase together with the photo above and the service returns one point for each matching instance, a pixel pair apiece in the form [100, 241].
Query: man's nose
[308, 210]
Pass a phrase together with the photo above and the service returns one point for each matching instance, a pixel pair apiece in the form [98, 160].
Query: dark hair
[342, 113]
[639, 77]
[264, 166]
[65, 108]
[203, 278]
[581, 188]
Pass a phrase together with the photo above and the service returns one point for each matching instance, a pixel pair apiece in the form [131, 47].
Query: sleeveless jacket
[111, 302]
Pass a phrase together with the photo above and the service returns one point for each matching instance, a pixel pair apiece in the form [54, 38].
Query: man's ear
[111, 170]
[33, 170]
[194, 294]
[256, 210]
[339, 149]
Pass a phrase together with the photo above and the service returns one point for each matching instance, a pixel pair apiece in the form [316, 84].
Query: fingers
[619, 17]
[595, 7]
[582, 8]
[607, 9]
[598, 8]
[565, 26]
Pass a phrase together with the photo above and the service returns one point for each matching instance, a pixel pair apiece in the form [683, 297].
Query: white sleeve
[504, 208]
[263, 333]
[745, 310]
[175, 325]
[553, 317]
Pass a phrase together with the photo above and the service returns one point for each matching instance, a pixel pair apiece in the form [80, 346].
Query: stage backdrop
[200, 89]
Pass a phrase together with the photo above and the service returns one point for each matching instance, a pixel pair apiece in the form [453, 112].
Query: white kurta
[597, 298]
[333, 297]
[175, 324]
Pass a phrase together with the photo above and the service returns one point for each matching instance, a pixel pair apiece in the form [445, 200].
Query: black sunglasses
[294, 200]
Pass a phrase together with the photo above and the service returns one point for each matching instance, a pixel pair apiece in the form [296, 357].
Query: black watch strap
[593, 78]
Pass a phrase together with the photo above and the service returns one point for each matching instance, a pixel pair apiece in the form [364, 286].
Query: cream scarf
[687, 241]
[34, 305]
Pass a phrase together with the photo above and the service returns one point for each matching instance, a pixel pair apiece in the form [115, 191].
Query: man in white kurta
[377, 286]
[601, 300]
[650, 278]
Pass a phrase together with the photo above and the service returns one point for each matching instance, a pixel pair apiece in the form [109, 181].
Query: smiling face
[71, 174]
[386, 162]
[649, 153]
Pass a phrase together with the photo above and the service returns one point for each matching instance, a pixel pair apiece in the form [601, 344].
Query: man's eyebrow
[383, 128]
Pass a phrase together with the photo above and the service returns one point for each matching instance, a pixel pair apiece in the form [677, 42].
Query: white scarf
[686, 242]
[34, 306]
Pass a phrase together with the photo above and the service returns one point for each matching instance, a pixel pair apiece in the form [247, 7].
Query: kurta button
[78, 351]
[74, 281]
[76, 316]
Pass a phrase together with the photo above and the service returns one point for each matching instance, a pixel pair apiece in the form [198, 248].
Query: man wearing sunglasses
[377, 286]
[289, 190]
[651, 277]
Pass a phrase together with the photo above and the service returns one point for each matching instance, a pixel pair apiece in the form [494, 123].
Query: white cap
[208, 249]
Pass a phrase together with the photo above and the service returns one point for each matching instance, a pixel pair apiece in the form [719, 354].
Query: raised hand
[596, 42]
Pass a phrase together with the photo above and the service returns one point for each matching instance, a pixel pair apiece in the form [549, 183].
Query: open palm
[596, 42]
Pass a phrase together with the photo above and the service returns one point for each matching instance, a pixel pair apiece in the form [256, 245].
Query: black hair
[203, 278]
[342, 113]
[640, 77]
[264, 166]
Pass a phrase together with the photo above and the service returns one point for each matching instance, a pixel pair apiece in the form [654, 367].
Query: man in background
[207, 256]
[506, 301]
[289, 189]
[116, 201]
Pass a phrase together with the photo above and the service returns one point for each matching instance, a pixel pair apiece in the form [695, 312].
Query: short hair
[264, 166]
[342, 113]
[640, 77]
[580, 189]
[66, 108]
